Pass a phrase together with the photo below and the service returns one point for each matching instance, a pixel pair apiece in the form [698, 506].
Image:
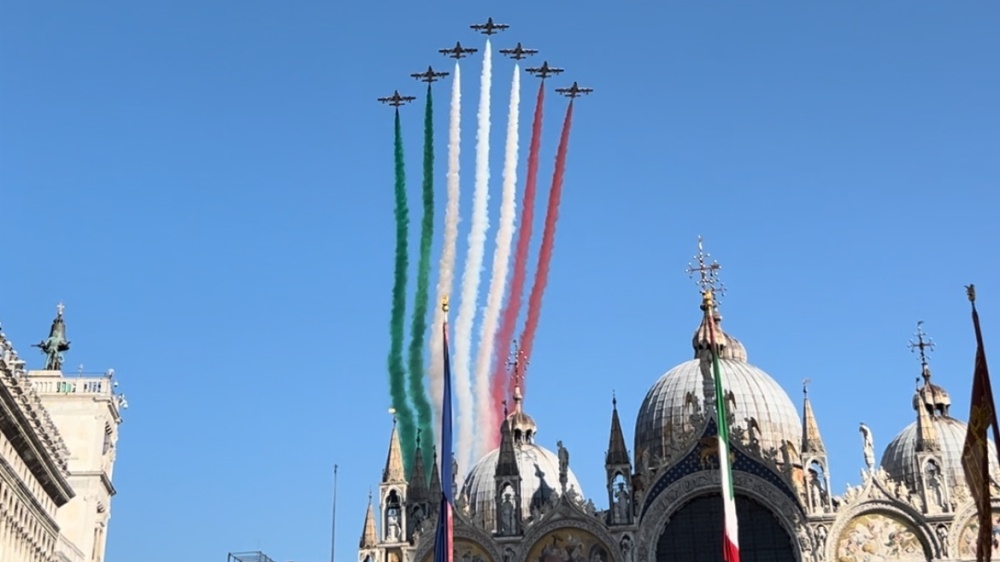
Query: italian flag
[730, 530]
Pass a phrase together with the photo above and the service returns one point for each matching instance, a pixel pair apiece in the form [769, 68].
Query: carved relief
[877, 536]
[970, 532]
[465, 551]
[569, 545]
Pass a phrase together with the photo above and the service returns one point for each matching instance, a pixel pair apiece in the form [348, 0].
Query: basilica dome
[537, 466]
[666, 412]
[946, 433]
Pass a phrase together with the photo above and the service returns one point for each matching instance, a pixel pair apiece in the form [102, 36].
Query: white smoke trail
[473, 269]
[446, 267]
[501, 261]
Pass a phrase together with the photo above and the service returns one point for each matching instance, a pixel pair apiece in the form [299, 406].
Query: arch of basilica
[522, 503]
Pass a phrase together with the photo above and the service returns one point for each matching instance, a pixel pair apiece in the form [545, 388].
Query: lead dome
[673, 402]
[933, 443]
[538, 468]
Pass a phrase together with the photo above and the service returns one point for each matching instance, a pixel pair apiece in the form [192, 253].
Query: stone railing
[17, 383]
[98, 386]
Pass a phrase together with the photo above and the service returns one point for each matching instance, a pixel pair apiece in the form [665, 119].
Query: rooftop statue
[54, 346]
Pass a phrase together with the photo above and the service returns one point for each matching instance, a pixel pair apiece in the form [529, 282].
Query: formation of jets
[517, 53]
[397, 100]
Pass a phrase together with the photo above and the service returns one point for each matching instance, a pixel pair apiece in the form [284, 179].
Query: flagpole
[976, 450]
[333, 523]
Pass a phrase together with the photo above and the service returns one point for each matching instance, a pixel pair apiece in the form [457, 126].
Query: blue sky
[208, 188]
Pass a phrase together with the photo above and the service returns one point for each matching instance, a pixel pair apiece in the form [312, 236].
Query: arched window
[694, 533]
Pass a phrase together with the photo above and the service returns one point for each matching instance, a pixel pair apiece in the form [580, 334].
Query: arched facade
[662, 502]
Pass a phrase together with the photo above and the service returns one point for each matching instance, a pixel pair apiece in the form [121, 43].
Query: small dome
[521, 424]
[900, 457]
[539, 470]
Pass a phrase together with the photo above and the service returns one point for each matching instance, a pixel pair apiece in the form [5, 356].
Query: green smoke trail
[418, 329]
[397, 369]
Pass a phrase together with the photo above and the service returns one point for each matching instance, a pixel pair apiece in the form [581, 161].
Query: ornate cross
[517, 362]
[805, 386]
[923, 343]
[708, 272]
[60, 308]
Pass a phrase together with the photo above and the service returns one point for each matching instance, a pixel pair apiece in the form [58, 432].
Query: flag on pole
[444, 538]
[730, 530]
[976, 453]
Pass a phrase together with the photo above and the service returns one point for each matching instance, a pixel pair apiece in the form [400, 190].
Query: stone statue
[869, 446]
[392, 533]
[563, 465]
[627, 548]
[507, 523]
[934, 483]
[418, 519]
[821, 541]
[942, 535]
[56, 344]
[454, 477]
[621, 504]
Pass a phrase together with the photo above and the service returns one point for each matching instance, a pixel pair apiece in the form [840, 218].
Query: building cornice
[24, 426]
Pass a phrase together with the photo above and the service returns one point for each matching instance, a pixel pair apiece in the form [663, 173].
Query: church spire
[418, 492]
[507, 458]
[811, 440]
[435, 489]
[617, 453]
[369, 538]
[394, 472]
[56, 344]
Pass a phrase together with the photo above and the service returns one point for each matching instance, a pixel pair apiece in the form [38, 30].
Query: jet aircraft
[489, 28]
[397, 100]
[574, 91]
[458, 51]
[545, 70]
[518, 52]
[429, 76]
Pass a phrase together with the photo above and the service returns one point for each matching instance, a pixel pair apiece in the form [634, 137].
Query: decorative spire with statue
[56, 344]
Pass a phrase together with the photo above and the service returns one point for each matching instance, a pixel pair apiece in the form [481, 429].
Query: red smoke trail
[499, 382]
[548, 240]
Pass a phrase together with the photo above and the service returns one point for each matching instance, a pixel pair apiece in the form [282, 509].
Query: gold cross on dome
[923, 343]
[517, 361]
[708, 273]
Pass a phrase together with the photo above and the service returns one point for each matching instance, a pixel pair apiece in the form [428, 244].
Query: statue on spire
[56, 344]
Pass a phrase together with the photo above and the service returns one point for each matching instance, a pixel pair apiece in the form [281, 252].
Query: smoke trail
[397, 370]
[446, 266]
[473, 268]
[418, 329]
[548, 240]
[513, 307]
[501, 260]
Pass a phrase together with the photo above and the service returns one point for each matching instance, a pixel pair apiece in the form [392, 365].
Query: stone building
[58, 440]
[522, 503]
